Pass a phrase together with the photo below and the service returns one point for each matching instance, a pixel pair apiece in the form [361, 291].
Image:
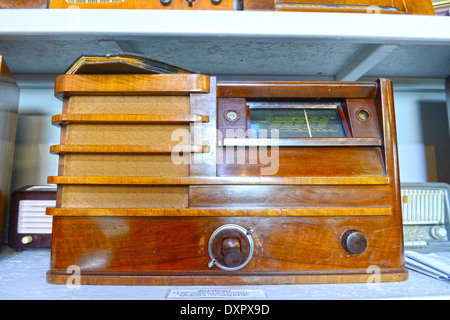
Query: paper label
[215, 293]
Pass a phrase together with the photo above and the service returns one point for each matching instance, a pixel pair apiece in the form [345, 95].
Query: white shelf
[23, 277]
[337, 45]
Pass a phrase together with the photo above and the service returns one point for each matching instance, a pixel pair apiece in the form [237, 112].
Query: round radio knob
[230, 247]
[354, 242]
[27, 239]
[438, 232]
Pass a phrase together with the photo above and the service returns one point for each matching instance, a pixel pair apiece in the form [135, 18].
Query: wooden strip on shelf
[292, 89]
[130, 85]
[94, 180]
[64, 119]
[128, 149]
[306, 7]
[220, 212]
[302, 142]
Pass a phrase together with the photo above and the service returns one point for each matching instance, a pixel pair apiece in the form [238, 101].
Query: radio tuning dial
[232, 115]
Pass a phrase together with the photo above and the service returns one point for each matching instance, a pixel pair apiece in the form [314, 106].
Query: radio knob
[27, 239]
[231, 249]
[438, 232]
[354, 242]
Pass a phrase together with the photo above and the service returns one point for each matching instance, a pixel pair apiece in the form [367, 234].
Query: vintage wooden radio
[144, 4]
[174, 179]
[29, 226]
[423, 7]
[23, 4]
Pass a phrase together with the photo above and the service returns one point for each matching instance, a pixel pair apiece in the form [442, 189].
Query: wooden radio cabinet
[175, 179]
[422, 7]
[144, 4]
[23, 4]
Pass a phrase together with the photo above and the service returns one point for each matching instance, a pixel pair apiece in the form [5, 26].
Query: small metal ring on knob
[244, 233]
[165, 2]
[216, 2]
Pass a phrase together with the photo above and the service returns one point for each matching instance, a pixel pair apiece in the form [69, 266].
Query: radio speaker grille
[423, 206]
[32, 218]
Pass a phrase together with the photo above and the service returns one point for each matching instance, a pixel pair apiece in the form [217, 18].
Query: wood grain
[216, 180]
[23, 4]
[130, 85]
[421, 7]
[292, 196]
[64, 119]
[292, 89]
[187, 279]
[127, 149]
[304, 162]
[301, 142]
[220, 212]
[149, 222]
[147, 4]
[143, 244]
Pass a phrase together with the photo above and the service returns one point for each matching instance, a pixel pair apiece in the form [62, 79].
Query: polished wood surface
[291, 89]
[126, 149]
[176, 279]
[301, 142]
[150, 219]
[421, 7]
[215, 180]
[130, 247]
[282, 196]
[145, 4]
[340, 162]
[23, 4]
[220, 212]
[131, 85]
[64, 119]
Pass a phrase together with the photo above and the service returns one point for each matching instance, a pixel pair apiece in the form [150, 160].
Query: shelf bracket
[364, 60]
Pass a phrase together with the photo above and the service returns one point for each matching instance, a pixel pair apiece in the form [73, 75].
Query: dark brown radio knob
[231, 249]
[354, 242]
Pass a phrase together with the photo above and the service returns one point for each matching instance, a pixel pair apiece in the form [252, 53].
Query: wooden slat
[292, 89]
[292, 6]
[143, 4]
[130, 85]
[93, 180]
[129, 149]
[219, 212]
[302, 142]
[64, 119]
